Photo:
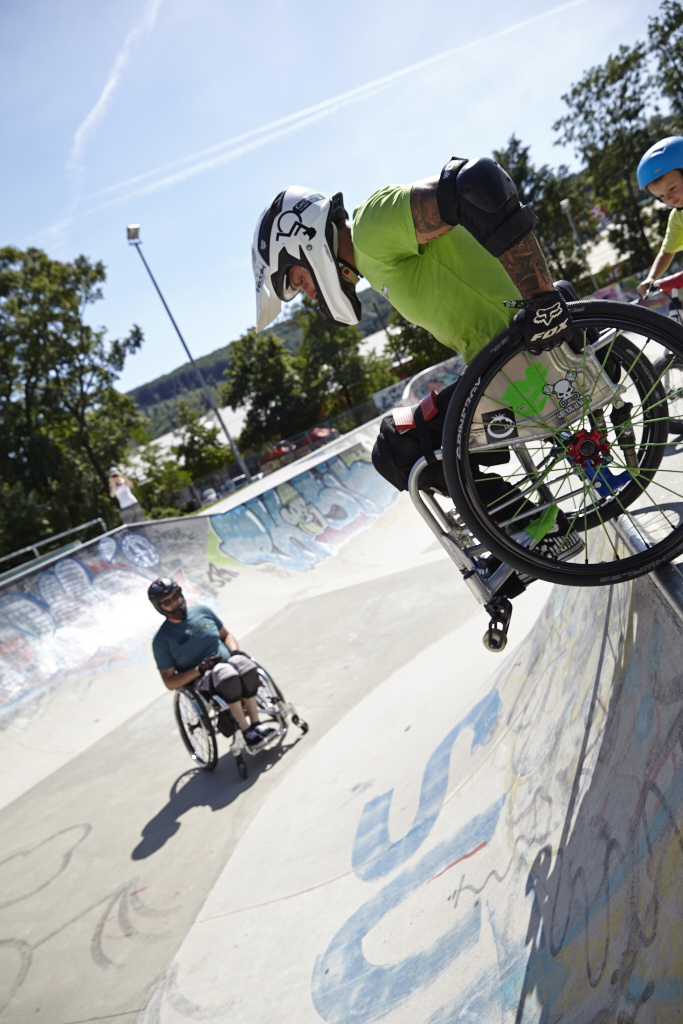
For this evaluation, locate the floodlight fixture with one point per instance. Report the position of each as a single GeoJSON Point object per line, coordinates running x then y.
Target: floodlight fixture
{"type": "Point", "coordinates": [133, 235]}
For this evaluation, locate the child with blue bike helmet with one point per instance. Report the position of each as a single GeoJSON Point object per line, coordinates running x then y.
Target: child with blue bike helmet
{"type": "Point", "coordinates": [660, 171]}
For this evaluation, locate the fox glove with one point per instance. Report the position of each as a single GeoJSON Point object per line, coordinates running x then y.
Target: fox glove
{"type": "Point", "coordinates": [543, 322]}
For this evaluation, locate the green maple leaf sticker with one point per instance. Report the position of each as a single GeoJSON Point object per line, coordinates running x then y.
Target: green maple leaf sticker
{"type": "Point", "coordinates": [525, 397]}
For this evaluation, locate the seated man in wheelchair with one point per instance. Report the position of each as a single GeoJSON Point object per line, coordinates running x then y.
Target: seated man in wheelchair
{"type": "Point", "coordinates": [454, 253]}
{"type": "Point", "coordinates": [193, 646]}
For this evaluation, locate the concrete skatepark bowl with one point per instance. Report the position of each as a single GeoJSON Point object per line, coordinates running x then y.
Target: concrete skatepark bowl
{"type": "Point", "coordinates": [459, 837]}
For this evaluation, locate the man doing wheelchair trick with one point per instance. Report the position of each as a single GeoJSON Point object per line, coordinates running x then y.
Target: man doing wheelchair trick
{"type": "Point", "coordinates": [559, 395]}
{"type": "Point", "coordinates": [194, 647]}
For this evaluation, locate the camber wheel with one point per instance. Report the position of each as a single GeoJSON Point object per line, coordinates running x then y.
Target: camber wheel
{"type": "Point", "coordinates": [196, 730]}
{"type": "Point", "coordinates": [671, 370]}
{"type": "Point", "coordinates": [271, 704]}
{"type": "Point", "coordinates": [578, 444]}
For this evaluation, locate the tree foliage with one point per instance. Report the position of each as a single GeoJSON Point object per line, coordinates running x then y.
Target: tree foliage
{"type": "Point", "coordinates": [330, 364]}
{"type": "Point", "coordinates": [263, 377]}
{"type": "Point", "coordinates": [665, 34]}
{"type": "Point", "coordinates": [414, 346]}
{"type": "Point", "coordinates": [62, 422]}
{"type": "Point", "coordinates": [611, 121]}
{"type": "Point", "coordinates": [199, 448]}
{"type": "Point", "coordinates": [544, 189]}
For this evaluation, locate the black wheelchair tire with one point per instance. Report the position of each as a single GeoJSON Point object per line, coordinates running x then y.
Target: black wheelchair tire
{"type": "Point", "coordinates": [666, 362]}
{"type": "Point", "coordinates": [209, 759]}
{"type": "Point", "coordinates": [457, 466]}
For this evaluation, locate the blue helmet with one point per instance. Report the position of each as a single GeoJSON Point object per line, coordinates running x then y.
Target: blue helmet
{"type": "Point", "coordinates": [661, 158]}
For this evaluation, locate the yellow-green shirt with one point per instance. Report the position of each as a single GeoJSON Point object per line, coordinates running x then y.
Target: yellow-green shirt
{"type": "Point", "coordinates": [673, 240]}
{"type": "Point", "coordinates": [452, 286]}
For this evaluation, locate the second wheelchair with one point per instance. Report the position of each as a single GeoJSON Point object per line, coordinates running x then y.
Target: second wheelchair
{"type": "Point", "coordinates": [200, 717]}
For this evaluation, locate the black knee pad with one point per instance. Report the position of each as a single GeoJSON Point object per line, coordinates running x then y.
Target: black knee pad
{"type": "Point", "coordinates": [482, 197]}
{"type": "Point", "coordinates": [395, 452]}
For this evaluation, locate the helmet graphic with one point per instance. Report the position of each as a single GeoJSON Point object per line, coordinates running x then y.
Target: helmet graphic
{"type": "Point", "coordinates": [162, 589]}
{"type": "Point", "coordinates": [298, 230]}
{"type": "Point", "coordinates": [661, 158]}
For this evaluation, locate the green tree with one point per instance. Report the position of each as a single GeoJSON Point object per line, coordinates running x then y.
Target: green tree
{"type": "Point", "coordinates": [159, 481]}
{"type": "Point", "coordinates": [414, 346]}
{"type": "Point", "coordinates": [544, 189]}
{"type": "Point", "coordinates": [665, 34]}
{"type": "Point", "coordinates": [263, 377]}
{"type": "Point", "coordinates": [610, 125]}
{"type": "Point", "coordinates": [330, 363]}
{"type": "Point", "coordinates": [62, 422]}
{"type": "Point", "coordinates": [199, 448]}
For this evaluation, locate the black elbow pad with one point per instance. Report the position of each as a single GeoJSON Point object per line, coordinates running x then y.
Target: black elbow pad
{"type": "Point", "coordinates": [481, 196]}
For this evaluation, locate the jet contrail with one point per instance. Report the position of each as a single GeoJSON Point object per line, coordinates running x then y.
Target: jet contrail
{"type": "Point", "coordinates": [231, 149]}
{"type": "Point", "coordinates": [95, 115]}
{"type": "Point", "coordinates": [88, 125]}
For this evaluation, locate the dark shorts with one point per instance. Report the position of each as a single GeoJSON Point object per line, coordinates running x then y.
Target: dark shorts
{"type": "Point", "coordinates": [233, 680]}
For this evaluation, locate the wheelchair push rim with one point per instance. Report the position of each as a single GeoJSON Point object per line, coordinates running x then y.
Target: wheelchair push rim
{"type": "Point", "coordinates": [196, 729]}
{"type": "Point", "coordinates": [272, 707]}
{"type": "Point", "coordinates": [578, 442]}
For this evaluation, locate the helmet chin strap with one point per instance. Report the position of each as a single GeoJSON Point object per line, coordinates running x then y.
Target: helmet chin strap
{"type": "Point", "coordinates": [348, 272]}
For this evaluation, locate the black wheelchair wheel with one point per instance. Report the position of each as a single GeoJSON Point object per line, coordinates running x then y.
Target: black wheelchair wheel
{"type": "Point", "coordinates": [196, 729]}
{"type": "Point", "coordinates": [670, 367]}
{"type": "Point", "coordinates": [578, 441]}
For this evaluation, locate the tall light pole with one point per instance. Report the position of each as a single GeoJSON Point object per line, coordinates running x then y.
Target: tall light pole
{"type": "Point", "coordinates": [133, 233]}
{"type": "Point", "coordinates": [565, 206]}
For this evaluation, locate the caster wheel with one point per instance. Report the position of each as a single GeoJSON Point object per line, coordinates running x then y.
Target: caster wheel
{"type": "Point", "coordinates": [242, 769]}
{"type": "Point", "coordinates": [496, 641]}
{"type": "Point", "coordinates": [303, 725]}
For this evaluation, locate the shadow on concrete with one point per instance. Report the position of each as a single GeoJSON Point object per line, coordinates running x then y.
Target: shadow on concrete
{"type": "Point", "coordinates": [199, 788]}
{"type": "Point", "coordinates": [604, 934]}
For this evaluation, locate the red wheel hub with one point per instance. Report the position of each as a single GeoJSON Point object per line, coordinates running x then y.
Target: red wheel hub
{"type": "Point", "coordinates": [588, 448]}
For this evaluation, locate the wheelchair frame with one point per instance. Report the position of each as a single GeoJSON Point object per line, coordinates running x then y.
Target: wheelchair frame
{"type": "Point", "coordinates": [212, 715]}
{"type": "Point", "coordinates": [463, 549]}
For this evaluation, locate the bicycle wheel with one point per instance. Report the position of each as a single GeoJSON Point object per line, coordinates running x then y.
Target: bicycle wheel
{"type": "Point", "coordinates": [196, 730]}
{"type": "Point", "coordinates": [671, 370]}
{"type": "Point", "coordinates": [578, 440]}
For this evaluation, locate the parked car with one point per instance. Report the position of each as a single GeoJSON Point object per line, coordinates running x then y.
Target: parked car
{"type": "Point", "coordinates": [209, 496]}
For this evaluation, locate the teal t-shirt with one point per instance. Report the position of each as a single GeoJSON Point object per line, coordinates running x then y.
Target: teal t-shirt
{"type": "Point", "coordinates": [182, 645]}
{"type": "Point", "coordinates": [452, 286]}
{"type": "Point", "coordinates": [673, 239]}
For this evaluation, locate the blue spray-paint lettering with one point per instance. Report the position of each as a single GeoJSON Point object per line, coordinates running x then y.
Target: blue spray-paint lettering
{"type": "Point", "coordinates": [374, 855]}
{"type": "Point", "coordinates": [348, 989]}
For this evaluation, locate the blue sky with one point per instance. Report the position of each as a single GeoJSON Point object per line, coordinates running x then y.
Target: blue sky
{"type": "Point", "coordinates": [188, 116]}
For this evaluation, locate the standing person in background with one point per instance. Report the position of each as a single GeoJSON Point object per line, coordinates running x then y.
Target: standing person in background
{"type": "Point", "coordinates": [120, 488]}
{"type": "Point", "coordinates": [660, 171]}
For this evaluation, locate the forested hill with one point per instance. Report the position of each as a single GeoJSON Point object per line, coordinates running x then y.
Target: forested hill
{"type": "Point", "coordinates": [158, 399]}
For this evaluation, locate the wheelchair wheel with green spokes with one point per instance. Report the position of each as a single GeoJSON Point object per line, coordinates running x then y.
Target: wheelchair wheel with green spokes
{"type": "Point", "coordinates": [671, 370]}
{"type": "Point", "coordinates": [559, 463]}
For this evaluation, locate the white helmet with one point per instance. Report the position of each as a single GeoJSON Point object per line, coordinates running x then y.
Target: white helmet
{"type": "Point", "coordinates": [298, 230]}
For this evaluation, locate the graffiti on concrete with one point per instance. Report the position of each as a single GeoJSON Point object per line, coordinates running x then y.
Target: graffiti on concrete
{"type": "Point", "coordinates": [565, 885]}
{"type": "Point", "coordinates": [305, 520]}
{"type": "Point", "coordinates": [82, 613]}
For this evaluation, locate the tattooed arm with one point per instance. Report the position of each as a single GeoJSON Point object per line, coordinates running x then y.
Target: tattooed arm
{"type": "Point", "coordinates": [524, 263]}
{"type": "Point", "coordinates": [426, 216]}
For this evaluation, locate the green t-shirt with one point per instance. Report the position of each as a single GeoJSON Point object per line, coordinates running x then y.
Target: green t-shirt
{"type": "Point", "coordinates": [452, 286]}
{"type": "Point", "coordinates": [673, 240]}
{"type": "Point", "coordinates": [182, 645]}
